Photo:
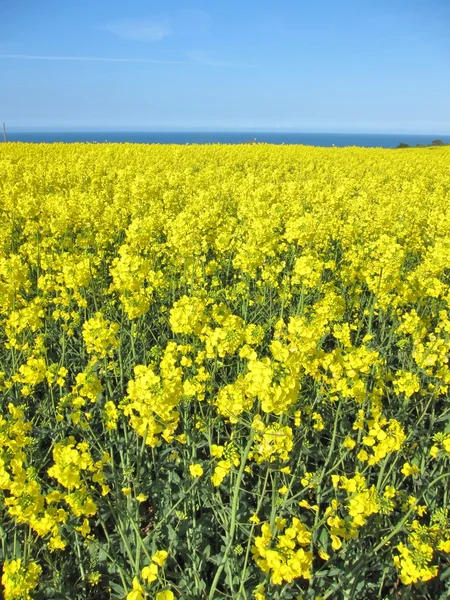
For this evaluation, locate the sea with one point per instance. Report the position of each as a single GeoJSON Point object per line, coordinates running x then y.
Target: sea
{"type": "Point", "coordinates": [369, 140]}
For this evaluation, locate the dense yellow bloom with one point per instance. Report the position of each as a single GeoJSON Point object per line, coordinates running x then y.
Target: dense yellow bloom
{"type": "Point", "coordinates": [152, 399]}
{"type": "Point", "coordinates": [233, 399]}
{"type": "Point", "coordinates": [408, 383]}
{"type": "Point", "coordinates": [287, 560]}
{"type": "Point", "coordinates": [188, 315]}
{"type": "Point", "coordinates": [19, 580]}
{"type": "Point", "coordinates": [279, 314]}
{"type": "Point", "coordinates": [271, 442]}
{"type": "Point", "coordinates": [100, 336]}
{"type": "Point", "coordinates": [70, 460]}
{"type": "Point", "coordinates": [410, 566]}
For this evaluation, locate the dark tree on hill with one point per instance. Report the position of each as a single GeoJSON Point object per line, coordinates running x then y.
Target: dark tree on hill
{"type": "Point", "coordinates": [437, 143]}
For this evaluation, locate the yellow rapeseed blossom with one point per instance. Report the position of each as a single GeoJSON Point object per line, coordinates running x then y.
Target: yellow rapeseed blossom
{"type": "Point", "coordinates": [167, 595]}
{"type": "Point", "coordinates": [279, 314]}
{"type": "Point", "coordinates": [409, 469]}
{"type": "Point", "coordinates": [137, 592]}
{"type": "Point", "coordinates": [195, 470]}
{"type": "Point", "coordinates": [19, 579]}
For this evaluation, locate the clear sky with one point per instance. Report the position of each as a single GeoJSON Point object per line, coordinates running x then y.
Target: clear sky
{"type": "Point", "coordinates": [318, 65]}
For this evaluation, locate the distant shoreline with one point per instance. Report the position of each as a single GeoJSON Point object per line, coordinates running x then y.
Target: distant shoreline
{"type": "Point", "coordinates": [370, 140]}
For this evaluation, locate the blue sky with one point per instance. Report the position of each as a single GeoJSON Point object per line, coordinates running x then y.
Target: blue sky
{"type": "Point", "coordinates": [321, 66]}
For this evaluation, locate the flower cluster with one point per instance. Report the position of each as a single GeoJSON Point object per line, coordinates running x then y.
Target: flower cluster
{"type": "Point", "coordinates": [287, 559]}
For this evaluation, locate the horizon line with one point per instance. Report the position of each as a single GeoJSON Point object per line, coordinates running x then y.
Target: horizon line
{"type": "Point", "coordinates": [106, 129]}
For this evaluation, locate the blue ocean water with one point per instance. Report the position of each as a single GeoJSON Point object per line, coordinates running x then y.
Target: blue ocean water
{"type": "Point", "coordinates": [371, 140]}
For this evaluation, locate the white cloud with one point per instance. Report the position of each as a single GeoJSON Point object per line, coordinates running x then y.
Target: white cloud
{"type": "Point", "coordinates": [93, 59]}
{"type": "Point", "coordinates": [143, 30]}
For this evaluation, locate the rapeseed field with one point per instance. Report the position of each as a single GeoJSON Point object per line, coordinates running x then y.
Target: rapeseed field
{"type": "Point", "coordinates": [224, 372]}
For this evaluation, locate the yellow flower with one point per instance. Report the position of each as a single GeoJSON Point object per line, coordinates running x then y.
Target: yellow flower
{"type": "Point", "coordinates": [217, 451]}
{"type": "Point", "coordinates": [335, 480]}
{"type": "Point", "coordinates": [99, 335]}
{"type": "Point", "coordinates": [85, 528]}
{"type": "Point", "coordinates": [167, 595]}
{"type": "Point", "coordinates": [406, 382]}
{"type": "Point", "coordinates": [349, 443]}
{"type": "Point", "coordinates": [19, 580]}
{"type": "Point", "coordinates": [409, 470]}
{"type": "Point", "coordinates": [195, 470]}
{"type": "Point", "coordinates": [137, 593]}
{"type": "Point", "coordinates": [389, 492]}
{"type": "Point", "coordinates": [444, 546]}
{"type": "Point", "coordinates": [160, 557]}
{"type": "Point", "coordinates": [362, 456]}
{"type": "Point", "coordinates": [336, 542]}
{"type": "Point", "coordinates": [434, 451]}
{"type": "Point", "coordinates": [368, 440]}
{"type": "Point", "coordinates": [259, 593]}
{"type": "Point", "coordinates": [220, 472]}
{"type": "Point", "coordinates": [150, 573]}
{"type": "Point", "coordinates": [56, 543]}
{"type": "Point", "coordinates": [318, 421]}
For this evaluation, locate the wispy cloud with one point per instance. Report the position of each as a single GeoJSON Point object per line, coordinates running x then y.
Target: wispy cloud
{"type": "Point", "coordinates": [142, 30]}
{"type": "Point", "coordinates": [195, 58]}
{"type": "Point", "coordinates": [94, 59]}
{"type": "Point", "coordinates": [203, 59]}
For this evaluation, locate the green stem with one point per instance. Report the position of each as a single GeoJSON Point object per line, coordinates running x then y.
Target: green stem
{"type": "Point", "coordinates": [234, 508]}
{"type": "Point", "coordinates": [250, 537]}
